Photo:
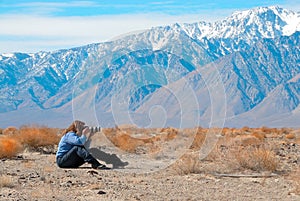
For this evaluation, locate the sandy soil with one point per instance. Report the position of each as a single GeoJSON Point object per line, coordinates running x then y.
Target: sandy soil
{"type": "Point", "coordinates": [34, 176]}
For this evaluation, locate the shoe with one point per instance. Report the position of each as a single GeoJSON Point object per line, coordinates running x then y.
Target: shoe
{"type": "Point", "coordinates": [101, 167]}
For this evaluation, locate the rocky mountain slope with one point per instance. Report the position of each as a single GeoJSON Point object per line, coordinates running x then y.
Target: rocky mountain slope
{"type": "Point", "coordinates": [246, 65]}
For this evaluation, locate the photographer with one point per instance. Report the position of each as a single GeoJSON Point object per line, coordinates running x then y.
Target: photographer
{"type": "Point", "coordinates": [71, 152]}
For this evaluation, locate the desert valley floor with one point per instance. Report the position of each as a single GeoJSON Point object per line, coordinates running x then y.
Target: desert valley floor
{"type": "Point", "coordinates": [245, 164]}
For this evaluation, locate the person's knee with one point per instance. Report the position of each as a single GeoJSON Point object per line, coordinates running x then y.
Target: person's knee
{"type": "Point", "coordinates": [81, 151]}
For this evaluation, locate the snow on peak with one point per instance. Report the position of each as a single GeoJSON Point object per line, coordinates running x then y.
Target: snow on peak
{"type": "Point", "coordinates": [8, 54]}
{"type": "Point", "coordinates": [261, 22]}
{"type": "Point", "coordinates": [294, 79]}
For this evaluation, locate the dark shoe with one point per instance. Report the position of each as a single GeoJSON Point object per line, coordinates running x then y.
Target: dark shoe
{"type": "Point", "coordinates": [101, 167]}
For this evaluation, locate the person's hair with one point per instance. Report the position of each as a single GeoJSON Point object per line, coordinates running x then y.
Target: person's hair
{"type": "Point", "coordinates": [72, 127]}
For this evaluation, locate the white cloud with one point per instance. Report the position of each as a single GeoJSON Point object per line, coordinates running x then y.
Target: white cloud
{"type": "Point", "coordinates": [56, 4]}
{"type": "Point", "coordinates": [34, 33]}
{"type": "Point", "coordinates": [292, 5]}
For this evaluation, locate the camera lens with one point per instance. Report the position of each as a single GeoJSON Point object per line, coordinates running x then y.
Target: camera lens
{"type": "Point", "coordinates": [95, 129]}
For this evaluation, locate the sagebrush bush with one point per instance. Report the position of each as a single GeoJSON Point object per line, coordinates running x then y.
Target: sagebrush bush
{"type": "Point", "coordinates": [15, 140]}
{"type": "Point", "coordinates": [290, 136]}
{"type": "Point", "coordinates": [9, 147]}
{"type": "Point", "coordinates": [171, 133]}
{"type": "Point", "coordinates": [258, 135]}
{"type": "Point", "coordinates": [189, 163]}
{"type": "Point", "coordinates": [11, 130]}
{"type": "Point", "coordinates": [257, 158]}
{"type": "Point", "coordinates": [198, 140]}
{"type": "Point", "coordinates": [38, 136]}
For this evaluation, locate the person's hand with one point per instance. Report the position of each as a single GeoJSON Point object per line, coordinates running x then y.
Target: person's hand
{"type": "Point", "coordinates": [92, 133]}
{"type": "Point", "coordinates": [79, 126]}
{"type": "Point", "coordinates": [87, 132]}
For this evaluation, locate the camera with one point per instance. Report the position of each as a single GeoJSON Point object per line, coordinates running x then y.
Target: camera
{"type": "Point", "coordinates": [95, 129]}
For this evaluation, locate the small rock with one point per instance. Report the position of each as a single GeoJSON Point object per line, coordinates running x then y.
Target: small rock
{"type": "Point", "coordinates": [92, 172]}
{"type": "Point", "coordinates": [101, 192]}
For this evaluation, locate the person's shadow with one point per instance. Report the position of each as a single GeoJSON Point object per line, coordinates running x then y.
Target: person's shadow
{"type": "Point", "coordinates": [108, 158]}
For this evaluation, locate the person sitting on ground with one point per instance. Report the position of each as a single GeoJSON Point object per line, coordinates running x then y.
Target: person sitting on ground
{"type": "Point", "coordinates": [71, 152]}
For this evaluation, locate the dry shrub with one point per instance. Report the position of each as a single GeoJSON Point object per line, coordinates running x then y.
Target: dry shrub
{"type": "Point", "coordinates": [227, 131]}
{"type": "Point", "coordinates": [198, 140]}
{"type": "Point", "coordinates": [256, 158]}
{"type": "Point", "coordinates": [236, 132]}
{"type": "Point", "coordinates": [290, 136]}
{"type": "Point", "coordinates": [284, 130]}
{"type": "Point", "coordinates": [258, 135]}
{"type": "Point", "coordinates": [109, 131]}
{"type": "Point", "coordinates": [38, 136]}
{"type": "Point", "coordinates": [247, 140]}
{"type": "Point", "coordinates": [10, 131]}
{"type": "Point", "coordinates": [267, 130]}
{"type": "Point", "coordinates": [123, 140]}
{"type": "Point", "coordinates": [6, 181]}
{"type": "Point", "coordinates": [1, 131]}
{"type": "Point", "coordinates": [9, 147]}
{"type": "Point", "coordinates": [126, 142]}
{"type": "Point", "coordinates": [245, 129]}
{"type": "Point", "coordinates": [189, 163]}
{"type": "Point", "coordinates": [14, 140]}
{"type": "Point", "coordinates": [171, 133]}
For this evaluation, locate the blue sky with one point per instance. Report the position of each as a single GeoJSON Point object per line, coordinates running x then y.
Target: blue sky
{"type": "Point", "coordinates": [32, 26]}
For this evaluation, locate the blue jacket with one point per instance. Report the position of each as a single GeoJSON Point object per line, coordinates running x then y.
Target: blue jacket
{"type": "Point", "coordinates": [68, 141]}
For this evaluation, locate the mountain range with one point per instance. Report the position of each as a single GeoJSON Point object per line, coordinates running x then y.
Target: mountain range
{"type": "Point", "coordinates": [240, 71]}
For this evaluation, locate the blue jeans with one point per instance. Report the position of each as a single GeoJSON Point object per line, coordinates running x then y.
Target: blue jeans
{"type": "Point", "coordinates": [76, 157]}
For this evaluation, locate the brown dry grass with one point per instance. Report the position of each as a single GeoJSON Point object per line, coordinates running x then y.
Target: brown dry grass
{"type": "Point", "coordinates": [259, 158]}
{"type": "Point", "coordinates": [245, 129]}
{"type": "Point", "coordinates": [247, 140]}
{"type": "Point", "coordinates": [125, 137]}
{"type": "Point", "coordinates": [238, 151]}
{"type": "Point", "coordinates": [244, 148]}
{"type": "Point", "coordinates": [189, 163]}
{"type": "Point", "coordinates": [258, 135]}
{"type": "Point", "coordinates": [122, 139]}
{"type": "Point", "coordinates": [15, 140]}
{"type": "Point", "coordinates": [38, 136]}
{"type": "Point", "coordinates": [9, 147]}
{"type": "Point", "coordinates": [290, 136]}
{"type": "Point", "coordinates": [10, 131]}
{"type": "Point", "coordinates": [198, 139]}
{"type": "Point", "coordinates": [170, 132]}
{"type": "Point", "coordinates": [126, 142]}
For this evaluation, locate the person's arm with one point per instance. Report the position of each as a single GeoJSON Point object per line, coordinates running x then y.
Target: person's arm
{"type": "Point", "coordinates": [74, 139]}
{"type": "Point", "coordinates": [79, 126]}
{"type": "Point", "coordinates": [87, 133]}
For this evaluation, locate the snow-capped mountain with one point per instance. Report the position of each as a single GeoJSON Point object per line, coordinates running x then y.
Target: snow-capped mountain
{"type": "Point", "coordinates": [249, 25]}
{"type": "Point", "coordinates": [262, 82]}
{"type": "Point", "coordinates": [243, 67]}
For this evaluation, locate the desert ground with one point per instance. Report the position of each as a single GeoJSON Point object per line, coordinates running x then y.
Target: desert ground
{"type": "Point", "coordinates": [155, 164]}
